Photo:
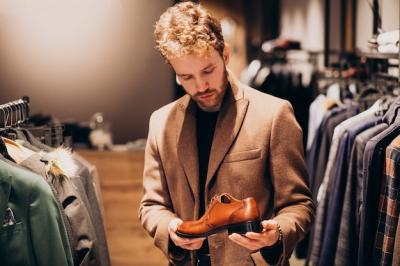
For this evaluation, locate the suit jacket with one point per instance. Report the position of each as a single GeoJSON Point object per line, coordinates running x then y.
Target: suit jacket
{"type": "Point", "coordinates": [388, 215]}
{"type": "Point", "coordinates": [346, 253]}
{"type": "Point", "coordinates": [373, 166]}
{"type": "Point", "coordinates": [38, 236]}
{"type": "Point", "coordinates": [256, 151]}
{"type": "Point", "coordinates": [336, 199]}
{"type": "Point", "coordinates": [396, 252]}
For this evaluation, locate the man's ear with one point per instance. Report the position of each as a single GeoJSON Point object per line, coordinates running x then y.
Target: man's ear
{"type": "Point", "coordinates": [226, 53]}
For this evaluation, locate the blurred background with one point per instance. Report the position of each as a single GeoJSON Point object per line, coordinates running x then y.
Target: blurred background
{"type": "Point", "coordinates": [76, 58]}
{"type": "Point", "coordinates": [92, 78]}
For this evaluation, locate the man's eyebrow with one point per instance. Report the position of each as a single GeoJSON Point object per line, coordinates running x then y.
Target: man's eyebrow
{"type": "Point", "coordinates": [208, 66]}
{"type": "Point", "coordinates": [180, 75]}
{"type": "Point", "coordinates": [204, 68]}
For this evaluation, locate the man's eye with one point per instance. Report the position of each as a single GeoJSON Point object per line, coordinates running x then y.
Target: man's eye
{"type": "Point", "coordinates": [209, 71]}
{"type": "Point", "coordinates": [186, 77]}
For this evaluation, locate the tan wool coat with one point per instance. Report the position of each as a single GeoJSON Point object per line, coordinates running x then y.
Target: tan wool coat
{"type": "Point", "coordinates": [256, 151]}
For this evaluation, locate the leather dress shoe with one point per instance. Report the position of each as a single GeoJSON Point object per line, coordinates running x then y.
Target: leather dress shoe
{"type": "Point", "coordinates": [224, 212]}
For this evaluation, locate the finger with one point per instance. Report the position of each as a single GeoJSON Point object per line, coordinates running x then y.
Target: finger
{"type": "Point", "coordinates": [269, 224]}
{"type": "Point", "coordinates": [196, 240]}
{"type": "Point", "coordinates": [188, 247]}
{"type": "Point", "coordinates": [185, 241]}
{"type": "Point", "coordinates": [263, 235]}
{"type": "Point", "coordinates": [179, 240]}
{"type": "Point", "coordinates": [194, 246]}
{"type": "Point", "coordinates": [255, 236]}
{"type": "Point", "coordinates": [174, 223]}
{"type": "Point", "coordinates": [243, 241]}
{"type": "Point", "coordinates": [264, 239]}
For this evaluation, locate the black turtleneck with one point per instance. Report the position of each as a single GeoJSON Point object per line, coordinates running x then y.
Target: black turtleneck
{"type": "Point", "coordinates": [206, 122]}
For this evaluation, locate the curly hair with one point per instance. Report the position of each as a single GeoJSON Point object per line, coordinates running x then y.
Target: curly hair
{"type": "Point", "coordinates": [187, 28]}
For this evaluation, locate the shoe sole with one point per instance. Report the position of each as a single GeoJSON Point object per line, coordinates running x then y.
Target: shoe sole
{"type": "Point", "coordinates": [240, 228]}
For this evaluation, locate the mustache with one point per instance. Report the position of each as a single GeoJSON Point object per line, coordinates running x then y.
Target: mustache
{"type": "Point", "coordinates": [204, 93]}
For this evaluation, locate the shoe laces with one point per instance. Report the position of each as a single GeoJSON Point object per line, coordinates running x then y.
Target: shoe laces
{"type": "Point", "coordinates": [219, 198]}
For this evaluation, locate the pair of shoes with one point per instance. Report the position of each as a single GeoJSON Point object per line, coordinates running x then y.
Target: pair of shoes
{"type": "Point", "coordinates": [224, 212]}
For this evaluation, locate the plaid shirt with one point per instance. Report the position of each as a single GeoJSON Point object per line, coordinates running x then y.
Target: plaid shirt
{"type": "Point", "coordinates": [389, 205]}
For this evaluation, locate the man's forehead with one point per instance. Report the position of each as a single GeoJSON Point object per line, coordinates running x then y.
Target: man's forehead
{"type": "Point", "coordinates": [188, 63]}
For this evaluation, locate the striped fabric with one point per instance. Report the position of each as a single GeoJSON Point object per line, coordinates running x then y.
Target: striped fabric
{"type": "Point", "coordinates": [389, 206]}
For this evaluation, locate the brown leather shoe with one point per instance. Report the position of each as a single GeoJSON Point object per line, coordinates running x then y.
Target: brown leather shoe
{"type": "Point", "coordinates": [224, 212]}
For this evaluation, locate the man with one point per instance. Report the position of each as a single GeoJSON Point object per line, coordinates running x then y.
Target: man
{"type": "Point", "coordinates": [221, 137]}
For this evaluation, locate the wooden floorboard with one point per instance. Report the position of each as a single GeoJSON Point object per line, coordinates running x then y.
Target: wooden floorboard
{"type": "Point", "coordinates": [121, 185]}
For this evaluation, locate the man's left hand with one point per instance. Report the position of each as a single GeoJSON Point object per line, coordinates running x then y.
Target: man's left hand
{"type": "Point", "coordinates": [255, 241]}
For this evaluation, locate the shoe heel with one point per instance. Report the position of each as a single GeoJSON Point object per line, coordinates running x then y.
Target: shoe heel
{"type": "Point", "coordinates": [243, 228]}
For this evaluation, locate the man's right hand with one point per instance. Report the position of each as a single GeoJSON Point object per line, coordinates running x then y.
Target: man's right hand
{"type": "Point", "coordinates": [186, 243]}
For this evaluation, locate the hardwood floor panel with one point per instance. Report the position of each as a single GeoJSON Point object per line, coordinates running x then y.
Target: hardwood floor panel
{"type": "Point", "coordinates": [121, 184]}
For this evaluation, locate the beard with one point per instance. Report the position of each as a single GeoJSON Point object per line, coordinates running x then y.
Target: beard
{"type": "Point", "coordinates": [218, 94]}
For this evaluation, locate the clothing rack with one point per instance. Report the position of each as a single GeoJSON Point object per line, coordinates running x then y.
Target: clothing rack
{"type": "Point", "coordinates": [378, 63]}
{"type": "Point", "coordinates": [284, 56]}
{"type": "Point", "coordinates": [15, 112]}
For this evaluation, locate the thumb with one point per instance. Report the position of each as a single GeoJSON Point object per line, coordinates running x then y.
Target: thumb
{"type": "Point", "coordinates": [270, 224]}
{"type": "Point", "coordinates": [174, 223]}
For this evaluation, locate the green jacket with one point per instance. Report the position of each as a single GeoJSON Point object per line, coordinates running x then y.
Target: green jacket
{"type": "Point", "coordinates": [38, 236]}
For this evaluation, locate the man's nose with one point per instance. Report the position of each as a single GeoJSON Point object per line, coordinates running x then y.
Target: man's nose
{"type": "Point", "coordinates": [201, 85]}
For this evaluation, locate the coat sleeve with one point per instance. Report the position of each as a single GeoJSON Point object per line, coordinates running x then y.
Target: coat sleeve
{"type": "Point", "coordinates": [293, 206]}
{"type": "Point", "coordinates": [156, 211]}
{"type": "Point", "coordinates": [48, 234]}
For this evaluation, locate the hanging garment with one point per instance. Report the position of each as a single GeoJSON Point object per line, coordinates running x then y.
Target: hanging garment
{"type": "Point", "coordinates": [318, 155]}
{"type": "Point", "coordinates": [83, 182]}
{"type": "Point", "coordinates": [32, 231]}
{"type": "Point", "coordinates": [316, 114]}
{"type": "Point", "coordinates": [373, 167]}
{"type": "Point", "coordinates": [346, 253]}
{"type": "Point", "coordinates": [396, 251]}
{"type": "Point", "coordinates": [57, 167]}
{"type": "Point", "coordinates": [338, 177]}
{"type": "Point", "coordinates": [388, 37]}
{"type": "Point", "coordinates": [389, 205]}
{"type": "Point", "coordinates": [324, 190]}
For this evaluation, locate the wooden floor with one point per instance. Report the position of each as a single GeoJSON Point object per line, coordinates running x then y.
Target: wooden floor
{"type": "Point", "coordinates": [121, 185]}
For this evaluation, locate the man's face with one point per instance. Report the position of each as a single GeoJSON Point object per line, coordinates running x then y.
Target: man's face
{"type": "Point", "coordinates": [204, 78]}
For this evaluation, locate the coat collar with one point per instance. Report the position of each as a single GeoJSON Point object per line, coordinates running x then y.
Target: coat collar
{"type": "Point", "coordinates": [392, 114]}
{"type": "Point", "coordinates": [229, 122]}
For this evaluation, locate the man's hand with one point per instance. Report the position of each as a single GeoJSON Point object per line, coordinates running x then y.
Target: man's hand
{"type": "Point", "coordinates": [254, 241]}
{"type": "Point", "coordinates": [186, 243]}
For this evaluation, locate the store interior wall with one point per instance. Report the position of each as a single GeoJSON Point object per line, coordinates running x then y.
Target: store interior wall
{"type": "Point", "coordinates": [390, 14]}
{"type": "Point", "coordinates": [231, 10]}
{"type": "Point", "coordinates": [302, 20]}
{"type": "Point", "coordinates": [74, 58]}
{"type": "Point", "coordinates": [364, 20]}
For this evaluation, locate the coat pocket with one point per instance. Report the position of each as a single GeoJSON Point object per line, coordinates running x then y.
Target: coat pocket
{"type": "Point", "coordinates": [14, 245]}
{"type": "Point", "coordinates": [242, 156]}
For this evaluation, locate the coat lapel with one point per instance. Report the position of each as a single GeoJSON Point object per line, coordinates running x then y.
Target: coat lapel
{"type": "Point", "coordinates": [187, 142]}
{"type": "Point", "coordinates": [228, 125]}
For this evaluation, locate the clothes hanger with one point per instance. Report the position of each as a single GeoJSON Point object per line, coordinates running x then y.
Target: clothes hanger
{"type": "Point", "coordinates": [8, 130]}
{"type": "Point", "coordinates": [3, 147]}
